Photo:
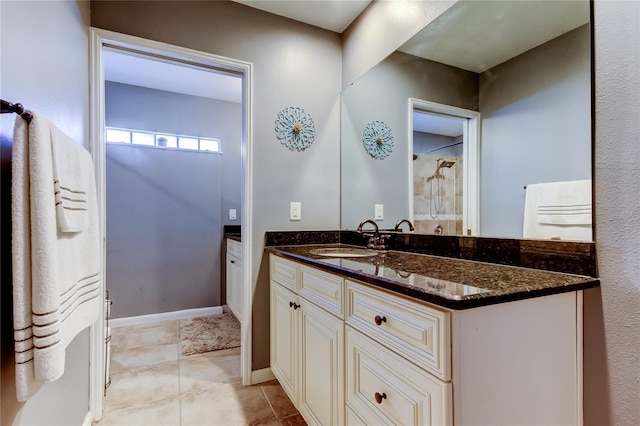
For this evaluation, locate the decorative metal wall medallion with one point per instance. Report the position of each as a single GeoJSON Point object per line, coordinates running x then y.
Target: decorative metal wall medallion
{"type": "Point", "coordinates": [377, 139]}
{"type": "Point", "coordinates": [295, 128]}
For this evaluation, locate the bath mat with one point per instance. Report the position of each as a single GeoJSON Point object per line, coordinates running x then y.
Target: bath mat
{"type": "Point", "coordinates": [210, 333]}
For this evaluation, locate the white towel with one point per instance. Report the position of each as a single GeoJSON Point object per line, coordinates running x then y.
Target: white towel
{"type": "Point", "coordinates": [558, 210]}
{"type": "Point", "coordinates": [56, 274]}
{"type": "Point", "coordinates": [71, 176]}
{"type": "Point", "coordinates": [565, 203]}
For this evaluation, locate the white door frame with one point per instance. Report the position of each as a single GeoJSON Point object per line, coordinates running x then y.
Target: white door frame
{"type": "Point", "coordinates": [100, 38]}
{"type": "Point", "coordinates": [470, 156]}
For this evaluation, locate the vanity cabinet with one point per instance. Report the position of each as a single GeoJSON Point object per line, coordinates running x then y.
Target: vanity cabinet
{"type": "Point", "coordinates": [307, 339]}
{"type": "Point", "coordinates": [234, 277]}
{"type": "Point", "coordinates": [348, 352]}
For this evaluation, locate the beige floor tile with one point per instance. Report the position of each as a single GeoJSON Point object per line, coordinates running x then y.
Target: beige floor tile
{"type": "Point", "coordinates": [280, 402]}
{"type": "Point", "coordinates": [143, 357]}
{"type": "Point", "coordinates": [136, 387]}
{"type": "Point", "coordinates": [203, 372]}
{"type": "Point", "coordinates": [159, 413]}
{"type": "Point", "coordinates": [137, 336]}
{"type": "Point", "coordinates": [227, 404]}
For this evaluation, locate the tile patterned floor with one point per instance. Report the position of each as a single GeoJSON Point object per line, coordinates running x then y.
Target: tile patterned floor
{"type": "Point", "coordinates": [152, 384]}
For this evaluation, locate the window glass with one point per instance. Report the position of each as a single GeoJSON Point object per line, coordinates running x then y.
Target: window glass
{"type": "Point", "coordinates": [187, 143]}
{"type": "Point", "coordinates": [169, 141]}
{"type": "Point", "coordinates": [209, 145]}
{"type": "Point", "coordinates": [142, 138]}
{"type": "Point", "coordinates": [118, 136]}
{"type": "Point", "coordinates": [162, 140]}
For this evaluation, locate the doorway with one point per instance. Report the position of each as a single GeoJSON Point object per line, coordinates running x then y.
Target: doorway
{"type": "Point", "coordinates": [159, 141]}
{"type": "Point", "coordinates": [443, 168]}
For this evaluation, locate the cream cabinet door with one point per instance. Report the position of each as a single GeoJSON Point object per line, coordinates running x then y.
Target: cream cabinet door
{"type": "Point", "coordinates": [283, 338]}
{"type": "Point", "coordinates": [234, 285]}
{"type": "Point", "coordinates": [384, 388]}
{"type": "Point", "coordinates": [321, 368]}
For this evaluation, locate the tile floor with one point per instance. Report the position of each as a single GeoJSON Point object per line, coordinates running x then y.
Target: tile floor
{"type": "Point", "coordinates": [152, 384]}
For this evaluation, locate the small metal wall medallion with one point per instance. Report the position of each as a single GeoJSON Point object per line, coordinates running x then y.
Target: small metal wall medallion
{"type": "Point", "coordinates": [377, 139]}
{"type": "Point", "coordinates": [295, 128]}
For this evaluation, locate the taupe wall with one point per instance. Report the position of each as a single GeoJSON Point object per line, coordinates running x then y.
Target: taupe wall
{"type": "Point", "coordinates": [290, 59]}
{"type": "Point", "coordinates": [612, 313]}
{"type": "Point", "coordinates": [43, 65]}
{"type": "Point", "coordinates": [536, 127]}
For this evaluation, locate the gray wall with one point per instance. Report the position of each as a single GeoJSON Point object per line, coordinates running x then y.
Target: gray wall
{"type": "Point", "coordinates": [44, 65]}
{"type": "Point", "coordinates": [163, 230]}
{"type": "Point", "coordinates": [536, 127]}
{"type": "Point", "coordinates": [289, 59]}
{"type": "Point", "coordinates": [156, 110]}
{"type": "Point", "coordinates": [612, 313]}
{"type": "Point", "coordinates": [382, 94]}
{"type": "Point", "coordinates": [165, 208]}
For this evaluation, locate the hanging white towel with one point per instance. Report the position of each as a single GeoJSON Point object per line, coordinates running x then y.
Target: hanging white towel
{"type": "Point", "coordinates": [56, 274]}
{"type": "Point", "coordinates": [558, 210]}
{"type": "Point", "coordinates": [565, 203]}
{"type": "Point", "coordinates": [71, 176]}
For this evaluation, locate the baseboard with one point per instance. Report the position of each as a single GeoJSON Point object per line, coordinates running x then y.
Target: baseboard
{"type": "Point", "coordinates": [261, 376]}
{"type": "Point", "coordinates": [88, 419]}
{"type": "Point", "coordinates": [165, 316]}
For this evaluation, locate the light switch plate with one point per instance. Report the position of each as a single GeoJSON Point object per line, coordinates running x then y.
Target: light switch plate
{"type": "Point", "coordinates": [378, 211]}
{"type": "Point", "coordinates": [232, 214]}
{"type": "Point", "coordinates": [295, 210]}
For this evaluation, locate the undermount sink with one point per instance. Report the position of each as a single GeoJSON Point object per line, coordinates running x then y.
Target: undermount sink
{"type": "Point", "coordinates": [343, 252]}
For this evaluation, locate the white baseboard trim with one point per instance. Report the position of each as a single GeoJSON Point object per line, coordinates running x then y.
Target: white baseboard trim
{"type": "Point", "coordinates": [165, 316]}
{"type": "Point", "coordinates": [88, 419]}
{"type": "Point", "coordinates": [261, 376]}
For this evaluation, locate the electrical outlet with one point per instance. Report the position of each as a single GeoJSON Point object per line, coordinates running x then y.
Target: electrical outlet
{"type": "Point", "coordinates": [295, 211]}
{"type": "Point", "coordinates": [232, 214]}
{"type": "Point", "coordinates": [378, 211]}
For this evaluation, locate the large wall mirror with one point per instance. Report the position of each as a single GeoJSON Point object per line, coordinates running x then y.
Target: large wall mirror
{"type": "Point", "coordinates": [489, 107]}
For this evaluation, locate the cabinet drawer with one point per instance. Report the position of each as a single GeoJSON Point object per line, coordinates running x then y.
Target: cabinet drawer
{"type": "Point", "coordinates": [284, 271]}
{"type": "Point", "coordinates": [234, 248]}
{"type": "Point", "coordinates": [384, 388]}
{"type": "Point", "coordinates": [325, 290]}
{"type": "Point", "coordinates": [415, 330]}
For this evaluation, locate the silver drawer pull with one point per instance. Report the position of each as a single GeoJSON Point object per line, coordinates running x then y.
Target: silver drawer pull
{"type": "Point", "coordinates": [379, 320]}
{"type": "Point", "coordinates": [379, 397]}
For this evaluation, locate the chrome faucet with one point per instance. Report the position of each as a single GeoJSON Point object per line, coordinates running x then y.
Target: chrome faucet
{"type": "Point", "coordinates": [376, 241]}
{"type": "Point", "coordinates": [400, 222]}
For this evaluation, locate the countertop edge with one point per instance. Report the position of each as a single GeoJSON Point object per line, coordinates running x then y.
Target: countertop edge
{"type": "Point", "coordinates": [419, 294]}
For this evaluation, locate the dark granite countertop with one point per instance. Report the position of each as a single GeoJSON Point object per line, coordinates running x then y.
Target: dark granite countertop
{"type": "Point", "coordinates": [448, 282]}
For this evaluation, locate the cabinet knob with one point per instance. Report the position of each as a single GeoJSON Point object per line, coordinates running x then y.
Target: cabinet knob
{"type": "Point", "coordinates": [233, 261]}
{"type": "Point", "coordinates": [379, 320]}
{"type": "Point", "coordinates": [293, 305]}
{"type": "Point", "coordinates": [379, 397]}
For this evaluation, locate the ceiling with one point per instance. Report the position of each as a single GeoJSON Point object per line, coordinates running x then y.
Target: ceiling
{"type": "Point", "coordinates": [437, 124]}
{"type": "Point", "coordinates": [332, 15]}
{"type": "Point", "coordinates": [124, 67]}
{"type": "Point", "coordinates": [458, 37]}
{"type": "Point", "coordinates": [478, 35]}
